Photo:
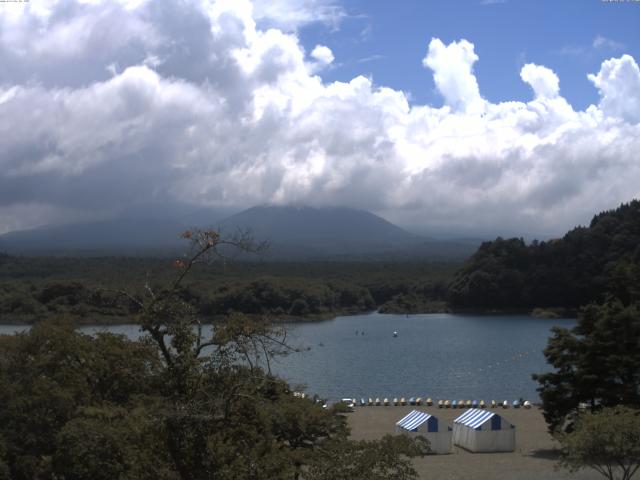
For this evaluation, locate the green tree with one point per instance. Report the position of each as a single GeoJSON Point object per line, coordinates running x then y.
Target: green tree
{"type": "Point", "coordinates": [597, 362]}
{"type": "Point", "coordinates": [607, 441]}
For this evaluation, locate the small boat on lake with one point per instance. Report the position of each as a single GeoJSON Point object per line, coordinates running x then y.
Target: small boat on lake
{"type": "Point", "coordinates": [395, 333]}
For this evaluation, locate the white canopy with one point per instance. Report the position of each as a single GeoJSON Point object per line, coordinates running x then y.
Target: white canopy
{"type": "Point", "coordinates": [428, 426]}
{"type": "Point", "coordinates": [479, 430]}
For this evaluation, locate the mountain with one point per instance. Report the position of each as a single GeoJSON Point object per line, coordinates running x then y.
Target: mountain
{"type": "Point", "coordinates": [124, 235]}
{"type": "Point", "coordinates": [293, 233]}
{"type": "Point", "coordinates": [338, 232]}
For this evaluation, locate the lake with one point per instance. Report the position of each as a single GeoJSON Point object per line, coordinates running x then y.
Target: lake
{"type": "Point", "coordinates": [434, 355]}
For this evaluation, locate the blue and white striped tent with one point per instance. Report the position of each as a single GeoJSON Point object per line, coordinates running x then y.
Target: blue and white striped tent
{"type": "Point", "coordinates": [479, 430]}
{"type": "Point", "coordinates": [426, 425]}
{"type": "Point", "coordinates": [415, 419]}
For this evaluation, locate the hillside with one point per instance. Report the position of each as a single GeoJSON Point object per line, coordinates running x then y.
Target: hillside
{"type": "Point", "coordinates": [307, 232]}
{"type": "Point", "coordinates": [294, 233]}
{"type": "Point", "coordinates": [585, 265]}
{"type": "Point", "coordinates": [121, 236]}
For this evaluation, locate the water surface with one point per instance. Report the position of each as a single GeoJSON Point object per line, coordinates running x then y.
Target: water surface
{"type": "Point", "coordinates": [436, 355]}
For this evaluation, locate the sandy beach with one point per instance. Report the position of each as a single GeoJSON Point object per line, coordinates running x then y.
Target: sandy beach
{"type": "Point", "coordinates": [534, 457]}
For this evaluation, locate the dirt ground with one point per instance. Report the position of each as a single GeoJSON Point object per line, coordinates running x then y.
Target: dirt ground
{"type": "Point", "coordinates": [534, 457]}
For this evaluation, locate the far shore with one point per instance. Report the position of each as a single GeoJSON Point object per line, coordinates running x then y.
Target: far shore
{"type": "Point", "coordinates": [535, 456]}
{"type": "Point", "coordinates": [289, 319]}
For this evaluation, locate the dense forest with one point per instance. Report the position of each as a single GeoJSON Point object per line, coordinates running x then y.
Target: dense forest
{"type": "Point", "coordinates": [35, 288]}
{"type": "Point", "coordinates": [586, 265]}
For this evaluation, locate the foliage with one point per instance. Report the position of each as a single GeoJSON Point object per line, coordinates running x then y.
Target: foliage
{"type": "Point", "coordinates": [597, 362]}
{"type": "Point", "coordinates": [386, 459]}
{"type": "Point", "coordinates": [35, 288]}
{"type": "Point", "coordinates": [183, 403]}
{"type": "Point", "coordinates": [607, 441]}
{"type": "Point", "coordinates": [582, 267]}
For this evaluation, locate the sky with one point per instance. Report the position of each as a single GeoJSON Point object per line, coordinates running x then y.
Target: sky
{"type": "Point", "coordinates": [478, 117]}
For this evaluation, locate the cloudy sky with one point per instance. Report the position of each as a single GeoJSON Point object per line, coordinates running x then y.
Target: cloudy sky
{"type": "Point", "coordinates": [479, 116]}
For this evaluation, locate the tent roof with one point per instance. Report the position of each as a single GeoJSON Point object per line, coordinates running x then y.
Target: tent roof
{"type": "Point", "coordinates": [474, 418]}
{"type": "Point", "coordinates": [413, 420]}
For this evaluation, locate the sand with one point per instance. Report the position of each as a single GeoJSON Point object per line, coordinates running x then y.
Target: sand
{"type": "Point", "coordinates": [534, 457]}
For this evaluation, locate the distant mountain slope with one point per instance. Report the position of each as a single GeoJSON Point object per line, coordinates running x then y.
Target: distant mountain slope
{"type": "Point", "coordinates": [308, 232]}
{"type": "Point", "coordinates": [318, 226]}
{"type": "Point", "coordinates": [585, 265]}
{"type": "Point", "coordinates": [294, 233]}
{"type": "Point", "coordinates": [109, 236]}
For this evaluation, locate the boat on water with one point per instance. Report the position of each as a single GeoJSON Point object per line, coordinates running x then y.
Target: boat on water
{"type": "Point", "coordinates": [395, 333]}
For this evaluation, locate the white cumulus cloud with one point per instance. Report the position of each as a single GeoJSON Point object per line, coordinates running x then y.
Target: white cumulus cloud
{"type": "Point", "coordinates": [452, 67]}
{"type": "Point", "coordinates": [545, 82]}
{"type": "Point", "coordinates": [323, 54]}
{"type": "Point", "coordinates": [203, 103]}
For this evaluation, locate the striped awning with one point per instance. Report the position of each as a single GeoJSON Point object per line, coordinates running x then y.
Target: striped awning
{"type": "Point", "coordinates": [474, 418]}
{"type": "Point", "coordinates": [413, 420]}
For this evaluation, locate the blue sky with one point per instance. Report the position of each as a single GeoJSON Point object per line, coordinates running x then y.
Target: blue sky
{"type": "Point", "coordinates": [108, 106]}
{"type": "Point", "coordinates": [387, 40]}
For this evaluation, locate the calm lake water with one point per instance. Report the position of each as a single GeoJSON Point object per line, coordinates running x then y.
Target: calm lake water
{"type": "Point", "coordinates": [434, 355]}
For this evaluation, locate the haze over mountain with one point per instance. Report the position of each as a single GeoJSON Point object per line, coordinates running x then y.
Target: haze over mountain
{"type": "Point", "coordinates": [293, 232]}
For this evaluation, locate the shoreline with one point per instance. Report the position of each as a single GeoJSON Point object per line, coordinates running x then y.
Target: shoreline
{"type": "Point", "coordinates": [95, 322]}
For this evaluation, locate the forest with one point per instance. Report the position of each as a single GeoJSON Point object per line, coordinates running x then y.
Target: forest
{"type": "Point", "coordinates": [36, 288]}
{"type": "Point", "coordinates": [587, 264]}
